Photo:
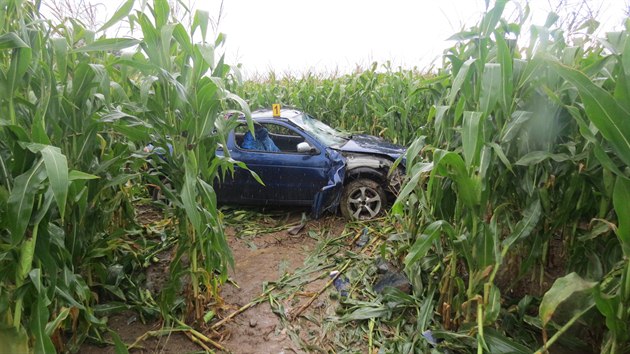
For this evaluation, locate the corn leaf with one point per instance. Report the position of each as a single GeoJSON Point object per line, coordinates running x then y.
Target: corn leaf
{"type": "Point", "coordinates": [43, 344]}
{"type": "Point", "coordinates": [490, 87]}
{"type": "Point", "coordinates": [364, 313]}
{"type": "Point", "coordinates": [471, 137]}
{"type": "Point", "coordinates": [10, 41]}
{"type": "Point", "coordinates": [500, 344]}
{"type": "Point", "coordinates": [22, 198]}
{"type": "Point", "coordinates": [526, 225]}
{"type": "Point", "coordinates": [122, 12]}
{"type": "Point", "coordinates": [54, 324]}
{"type": "Point", "coordinates": [602, 109]}
{"type": "Point", "coordinates": [460, 79]}
{"type": "Point", "coordinates": [507, 80]}
{"type": "Point", "coordinates": [107, 44]}
{"type": "Point", "coordinates": [621, 198]}
{"type": "Point", "coordinates": [200, 21]}
{"type": "Point", "coordinates": [561, 290]}
{"type": "Point", "coordinates": [57, 171]}
{"type": "Point", "coordinates": [424, 242]}
{"type": "Point", "coordinates": [119, 345]}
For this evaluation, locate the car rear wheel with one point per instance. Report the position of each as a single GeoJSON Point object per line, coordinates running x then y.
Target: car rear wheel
{"type": "Point", "coordinates": [362, 199]}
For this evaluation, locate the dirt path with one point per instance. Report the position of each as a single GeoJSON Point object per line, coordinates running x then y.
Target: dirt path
{"type": "Point", "coordinates": [259, 260]}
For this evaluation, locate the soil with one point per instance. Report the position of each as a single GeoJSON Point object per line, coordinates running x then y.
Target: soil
{"type": "Point", "coordinates": [258, 259]}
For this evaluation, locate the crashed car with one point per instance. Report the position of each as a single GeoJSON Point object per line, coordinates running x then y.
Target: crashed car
{"type": "Point", "coordinates": [304, 162]}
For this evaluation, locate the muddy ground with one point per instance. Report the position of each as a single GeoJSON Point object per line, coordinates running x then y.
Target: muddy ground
{"type": "Point", "coordinates": [258, 259]}
{"type": "Point", "coordinates": [265, 259]}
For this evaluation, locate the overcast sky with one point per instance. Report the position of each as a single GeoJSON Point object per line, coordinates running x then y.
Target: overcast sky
{"type": "Point", "coordinates": [327, 35]}
{"type": "Point", "coordinates": [298, 36]}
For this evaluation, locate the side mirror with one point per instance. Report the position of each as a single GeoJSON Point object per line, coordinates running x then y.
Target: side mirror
{"type": "Point", "coordinates": [305, 147]}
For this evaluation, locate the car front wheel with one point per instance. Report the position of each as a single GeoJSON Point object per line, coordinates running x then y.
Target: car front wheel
{"type": "Point", "coordinates": [362, 199]}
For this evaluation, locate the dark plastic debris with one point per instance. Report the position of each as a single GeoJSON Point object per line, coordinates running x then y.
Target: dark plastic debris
{"type": "Point", "coordinates": [363, 239]}
{"type": "Point", "coordinates": [393, 279]}
{"type": "Point", "coordinates": [341, 283]}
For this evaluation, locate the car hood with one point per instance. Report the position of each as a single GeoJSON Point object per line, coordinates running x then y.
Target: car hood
{"type": "Point", "coordinates": [368, 144]}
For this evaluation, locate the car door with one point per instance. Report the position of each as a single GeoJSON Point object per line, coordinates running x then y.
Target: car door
{"type": "Point", "coordinates": [290, 177]}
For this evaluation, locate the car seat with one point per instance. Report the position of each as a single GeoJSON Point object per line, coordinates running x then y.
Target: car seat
{"type": "Point", "coordinates": [262, 142]}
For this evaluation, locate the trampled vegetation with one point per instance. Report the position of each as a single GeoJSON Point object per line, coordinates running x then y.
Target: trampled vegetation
{"type": "Point", "coordinates": [513, 226]}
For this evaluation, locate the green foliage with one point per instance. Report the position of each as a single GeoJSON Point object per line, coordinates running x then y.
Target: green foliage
{"type": "Point", "coordinates": [77, 108]}
{"type": "Point", "coordinates": [528, 152]}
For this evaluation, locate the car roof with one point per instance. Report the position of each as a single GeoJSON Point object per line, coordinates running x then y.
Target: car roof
{"type": "Point", "coordinates": [286, 113]}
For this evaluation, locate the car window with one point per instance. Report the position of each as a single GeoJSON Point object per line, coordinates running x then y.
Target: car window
{"type": "Point", "coordinates": [272, 138]}
{"type": "Point", "coordinates": [323, 132]}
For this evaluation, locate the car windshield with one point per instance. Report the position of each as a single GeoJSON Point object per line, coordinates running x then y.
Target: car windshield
{"type": "Point", "coordinates": [321, 131]}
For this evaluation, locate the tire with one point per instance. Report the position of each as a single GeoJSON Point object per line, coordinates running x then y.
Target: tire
{"type": "Point", "coordinates": [362, 199]}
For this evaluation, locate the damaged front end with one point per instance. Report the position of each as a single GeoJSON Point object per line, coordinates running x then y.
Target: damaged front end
{"type": "Point", "coordinates": [377, 168]}
{"type": "Point", "coordinates": [327, 199]}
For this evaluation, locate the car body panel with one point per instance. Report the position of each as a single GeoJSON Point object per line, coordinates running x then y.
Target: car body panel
{"type": "Point", "coordinates": [367, 144]}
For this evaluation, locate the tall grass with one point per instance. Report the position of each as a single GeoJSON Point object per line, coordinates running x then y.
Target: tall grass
{"type": "Point", "coordinates": [76, 109]}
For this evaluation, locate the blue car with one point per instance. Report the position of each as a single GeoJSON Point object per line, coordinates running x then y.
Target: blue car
{"type": "Point", "coordinates": [304, 162]}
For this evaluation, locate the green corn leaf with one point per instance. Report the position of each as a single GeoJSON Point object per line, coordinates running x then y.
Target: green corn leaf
{"type": "Point", "coordinates": [417, 172]}
{"type": "Point", "coordinates": [161, 12]}
{"type": "Point", "coordinates": [11, 40]}
{"type": "Point", "coordinates": [500, 344]}
{"type": "Point", "coordinates": [424, 242]}
{"type": "Point", "coordinates": [78, 175]}
{"type": "Point", "coordinates": [525, 226]}
{"type": "Point", "coordinates": [364, 313]}
{"type": "Point", "coordinates": [39, 318]}
{"type": "Point", "coordinates": [200, 21]}
{"type": "Point", "coordinates": [107, 45]}
{"type": "Point", "coordinates": [507, 80]}
{"type": "Point", "coordinates": [621, 202]}
{"type": "Point", "coordinates": [181, 36]}
{"type": "Point", "coordinates": [57, 171]}
{"type": "Point", "coordinates": [471, 137]}
{"type": "Point", "coordinates": [122, 12]}
{"type": "Point", "coordinates": [499, 151]}
{"type": "Point", "coordinates": [166, 36]}
{"type": "Point", "coordinates": [607, 306]}
{"type": "Point", "coordinates": [493, 307]}
{"type": "Point", "coordinates": [512, 128]}
{"type": "Point", "coordinates": [119, 345]}
{"type": "Point", "coordinates": [602, 109]}
{"type": "Point", "coordinates": [561, 290]}
{"type": "Point", "coordinates": [82, 83]}
{"type": "Point", "coordinates": [54, 324]}
{"type": "Point", "coordinates": [490, 87]}
{"type": "Point", "coordinates": [189, 198]}
{"type": "Point", "coordinates": [536, 157]}
{"type": "Point", "coordinates": [22, 199]}
{"type": "Point", "coordinates": [20, 61]}
{"type": "Point", "coordinates": [491, 19]}
{"type": "Point", "coordinates": [460, 79]}
{"type": "Point", "coordinates": [450, 164]}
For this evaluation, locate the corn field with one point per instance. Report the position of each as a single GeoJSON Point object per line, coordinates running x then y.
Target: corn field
{"type": "Point", "coordinates": [513, 225]}
{"type": "Point", "coordinates": [76, 110]}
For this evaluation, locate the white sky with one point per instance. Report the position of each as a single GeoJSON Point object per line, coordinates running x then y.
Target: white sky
{"type": "Point", "coordinates": [324, 36]}
{"type": "Point", "coordinates": [298, 36]}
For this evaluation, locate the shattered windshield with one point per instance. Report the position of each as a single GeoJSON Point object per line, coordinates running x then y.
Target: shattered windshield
{"type": "Point", "coordinates": [321, 131]}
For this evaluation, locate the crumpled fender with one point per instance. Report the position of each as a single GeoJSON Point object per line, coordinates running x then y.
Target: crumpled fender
{"type": "Point", "coordinates": [329, 196]}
